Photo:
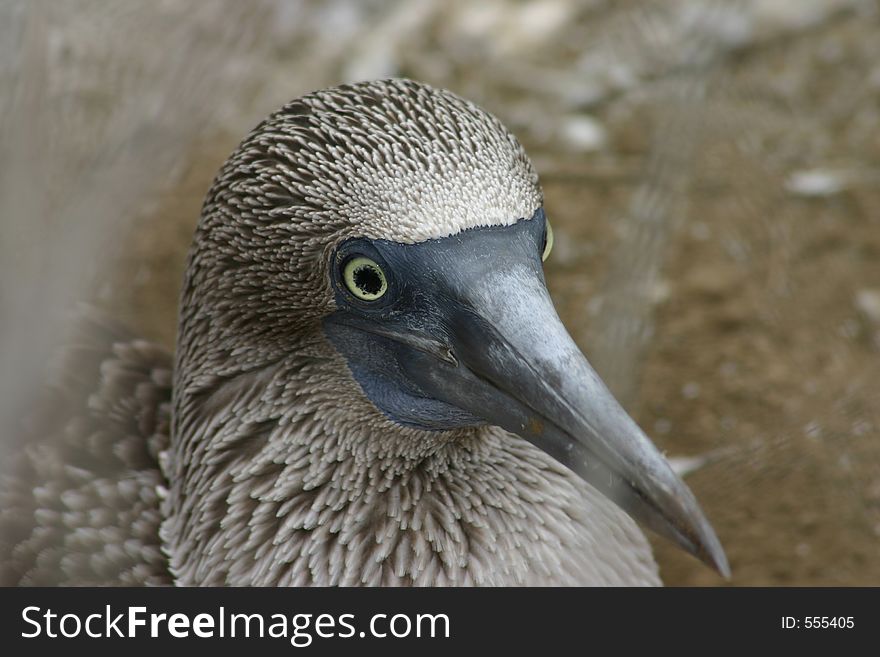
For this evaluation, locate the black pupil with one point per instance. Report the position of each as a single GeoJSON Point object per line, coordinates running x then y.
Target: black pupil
{"type": "Point", "coordinates": [368, 280]}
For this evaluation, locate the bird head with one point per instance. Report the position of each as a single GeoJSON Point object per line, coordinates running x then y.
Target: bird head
{"type": "Point", "coordinates": [404, 226]}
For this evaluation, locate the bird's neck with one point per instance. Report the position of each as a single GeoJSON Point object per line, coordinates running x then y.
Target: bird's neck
{"type": "Point", "coordinates": [285, 474]}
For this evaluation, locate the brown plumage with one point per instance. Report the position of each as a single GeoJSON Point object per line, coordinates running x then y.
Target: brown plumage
{"type": "Point", "coordinates": [78, 498]}
{"type": "Point", "coordinates": [281, 470]}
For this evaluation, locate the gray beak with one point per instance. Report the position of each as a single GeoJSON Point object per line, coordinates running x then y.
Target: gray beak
{"type": "Point", "coordinates": [468, 335]}
{"type": "Point", "coordinates": [519, 369]}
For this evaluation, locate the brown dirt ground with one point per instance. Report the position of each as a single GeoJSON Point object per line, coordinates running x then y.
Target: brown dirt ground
{"type": "Point", "coordinates": [759, 354]}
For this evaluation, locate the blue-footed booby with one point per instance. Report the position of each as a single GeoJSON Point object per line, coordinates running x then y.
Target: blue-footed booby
{"type": "Point", "coordinates": [371, 385]}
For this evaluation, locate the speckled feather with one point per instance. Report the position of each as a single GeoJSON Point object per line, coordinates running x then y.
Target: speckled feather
{"type": "Point", "coordinates": [79, 501]}
{"type": "Point", "coordinates": [280, 470]}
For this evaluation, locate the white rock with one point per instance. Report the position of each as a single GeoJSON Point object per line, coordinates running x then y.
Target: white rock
{"type": "Point", "coordinates": [816, 182]}
{"type": "Point", "coordinates": [867, 302]}
{"type": "Point", "coordinates": [685, 465]}
{"type": "Point", "coordinates": [582, 133]}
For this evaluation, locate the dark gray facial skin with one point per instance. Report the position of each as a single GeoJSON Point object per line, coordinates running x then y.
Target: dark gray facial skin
{"type": "Point", "coordinates": [466, 334]}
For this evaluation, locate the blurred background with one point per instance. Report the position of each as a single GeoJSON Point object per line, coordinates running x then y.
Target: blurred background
{"type": "Point", "coordinates": [711, 169]}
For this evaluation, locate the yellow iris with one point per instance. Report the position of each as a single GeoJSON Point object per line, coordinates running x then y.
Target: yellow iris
{"type": "Point", "coordinates": [364, 279]}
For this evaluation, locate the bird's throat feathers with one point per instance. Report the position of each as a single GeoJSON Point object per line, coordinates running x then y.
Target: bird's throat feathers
{"type": "Point", "coordinates": [275, 483]}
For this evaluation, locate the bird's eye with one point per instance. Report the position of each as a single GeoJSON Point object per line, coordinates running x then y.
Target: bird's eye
{"type": "Point", "coordinates": [548, 242]}
{"type": "Point", "coordinates": [364, 278]}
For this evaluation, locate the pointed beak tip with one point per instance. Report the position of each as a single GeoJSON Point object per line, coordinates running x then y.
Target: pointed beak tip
{"type": "Point", "coordinates": [719, 562]}
{"type": "Point", "coordinates": [708, 549]}
{"type": "Point", "coordinates": [678, 516]}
